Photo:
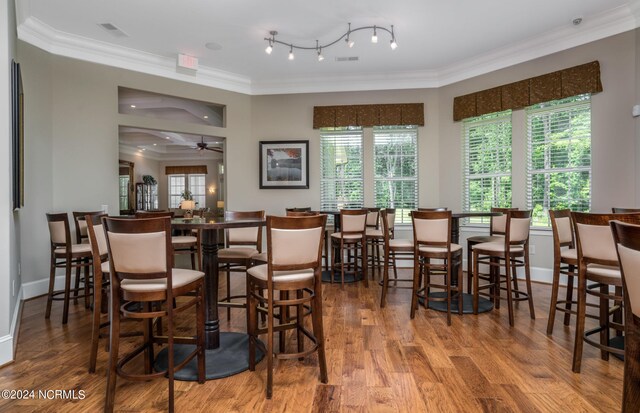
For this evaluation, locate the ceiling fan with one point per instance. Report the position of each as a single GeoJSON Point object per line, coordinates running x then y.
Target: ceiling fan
{"type": "Point", "coordinates": [202, 145]}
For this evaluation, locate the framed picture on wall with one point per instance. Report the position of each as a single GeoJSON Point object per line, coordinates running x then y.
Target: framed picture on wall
{"type": "Point", "coordinates": [17, 139]}
{"type": "Point", "coordinates": [284, 164]}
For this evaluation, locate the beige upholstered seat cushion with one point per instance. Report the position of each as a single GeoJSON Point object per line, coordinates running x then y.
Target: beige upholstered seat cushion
{"type": "Point", "coordinates": [486, 238]}
{"type": "Point", "coordinates": [630, 261]}
{"type": "Point", "coordinates": [260, 272]}
{"type": "Point", "coordinates": [337, 235]}
{"type": "Point", "coordinates": [496, 247]}
{"type": "Point", "coordinates": [371, 232]}
{"type": "Point", "coordinates": [179, 276]}
{"type": "Point", "coordinates": [401, 243]}
{"type": "Point", "coordinates": [75, 249]}
{"type": "Point", "coordinates": [570, 254]}
{"type": "Point", "coordinates": [237, 252]}
{"type": "Point", "coordinates": [439, 250]}
{"type": "Point", "coordinates": [183, 239]}
{"type": "Point", "coordinates": [262, 257]}
{"type": "Point", "coordinates": [603, 271]}
{"type": "Point", "coordinates": [105, 267]}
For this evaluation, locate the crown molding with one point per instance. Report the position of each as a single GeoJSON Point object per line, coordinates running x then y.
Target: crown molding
{"type": "Point", "coordinates": [60, 43]}
{"type": "Point", "coordinates": [594, 28]}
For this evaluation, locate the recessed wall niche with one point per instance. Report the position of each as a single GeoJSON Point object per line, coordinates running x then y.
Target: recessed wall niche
{"type": "Point", "coordinates": [158, 106]}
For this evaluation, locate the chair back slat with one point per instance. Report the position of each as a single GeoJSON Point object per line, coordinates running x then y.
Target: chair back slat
{"type": "Point", "coordinates": [244, 236]}
{"type": "Point", "coordinates": [353, 220]}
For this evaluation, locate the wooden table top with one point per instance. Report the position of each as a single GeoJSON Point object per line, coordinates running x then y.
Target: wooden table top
{"type": "Point", "coordinates": [215, 223]}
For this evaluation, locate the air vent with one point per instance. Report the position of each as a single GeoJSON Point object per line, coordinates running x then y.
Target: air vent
{"type": "Point", "coordinates": [113, 30]}
{"type": "Point", "coordinates": [347, 59]}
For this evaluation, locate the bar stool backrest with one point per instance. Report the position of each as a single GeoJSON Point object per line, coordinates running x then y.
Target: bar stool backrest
{"type": "Point", "coordinates": [298, 209]}
{"type": "Point", "coordinates": [617, 210]}
{"type": "Point", "coordinates": [562, 228]}
{"type": "Point", "coordinates": [517, 227]}
{"type": "Point", "coordinates": [627, 240]}
{"type": "Point", "coordinates": [373, 217]}
{"type": "Point", "coordinates": [498, 224]}
{"type": "Point", "coordinates": [594, 238]}
{"type": "Point", "coordinates": [154, 214]}
{"type": "Point", "coordinates": [97, 237]}
{"type": "Point", "coordinates": [432, 228]}
{"type": "Point", "coordinates": [295, 243]}
{"type": "Point", "coordinates": [81, 224]}
{"type": "Point", "coordinates": [353, 221]}
{"type": "Point", "coordinates": [245, 236]}
{"type": "Point", "coordinates": [59, 231]}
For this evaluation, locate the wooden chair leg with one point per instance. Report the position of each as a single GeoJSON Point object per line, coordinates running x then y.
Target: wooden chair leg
{"type": "Point", "coordinates": [631, 383]}
{"type": "Point", "coordinates": [200, 334]}
{"type": "Point", "coordinates": [52, 280]}
{"type": "Point", "coordinates": [569, 296]}
{"type": "Point", "coordinates": [448, 284]}
{"type": "Point", "coordinates": [395, 267]}
{"type": "Point", "coordinates": [67, 291]}
{"type": "Point", "coordinates": [578, 343]}
{"type": "Point", "coordinates": [476, 292]}
{"type": "Point", "coordinates": [364, 266]}
{"type": "Point", "coordinates": [460, 288]}
{"type": "Point", "coordinates": [114, 345]}
{"type": "Point", "coordinates": [95, 327]}
{"type": "Point", "coordinates": [87, 284]}
{"type": "Point", "coordinates": [252, 324]}
{"type": "Point", "coordinates": [604, 321]}
{"type": "Point", "coordinates": [284, 318]}
{"type": "Point", "coordinates": [416, 286]}
{"type": "Point", "coordinates": [228, 291]}
{"type": "Point", "coordinates": [507, 269]}
{"type": "Point", "coordinates": [385, 280]}
{"type": "Point", "coordinates": [469, 267]}
{"type": "Point", "coordinates": [300, 324]}
{"type": "Point", "coordinates": [318, 330]}
{"type": "Point", "coordinates": [76, 286]}
{"type": "Point", "coordinates": [269, 354]}
{"type": "Point", "coordinates": [527, 275]}
{"type": "Point", "coordinates": [554, 296]}
{"type": "Point", "coordinates": [170, 353]}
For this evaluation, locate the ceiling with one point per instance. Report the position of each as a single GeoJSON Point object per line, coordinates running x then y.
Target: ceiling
{"type": "Point", "coordinates": [439, 41]}
{"type": "Point", "coordinates": [167, 146]}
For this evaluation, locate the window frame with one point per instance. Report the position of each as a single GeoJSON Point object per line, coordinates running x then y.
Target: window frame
{"type": "Point", "coordinates": [186, 185]}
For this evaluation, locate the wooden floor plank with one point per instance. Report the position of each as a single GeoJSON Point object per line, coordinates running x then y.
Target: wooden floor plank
{"type": "Point", "coordinates": [378, 360]}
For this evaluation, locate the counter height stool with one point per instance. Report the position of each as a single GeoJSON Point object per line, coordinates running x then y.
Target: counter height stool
{"type": "Point", "coordinates": [627, 239]}
{"type": "Point", "coordinates": [393, 248]}
{"type": "Point", "coordinates": [510, 252]}
{"type": "Point", "coordinates": [140, 261]}
{"type": "Point", "coordinates": [353, 240]}
{"type": "Point", "coordinates": [241, 246]}
{"type": "Point", "coordinates": [294, 246]}
{"type": "Point", "coordinates": [432, 241]}
{"type": "Point", "coordinates": [598, 263]}
{"type": "Point", "coordinates": [375, 238]}
{"type": "Point", "coordinates": [496, 233]}
{"type": "Point", "coordinates": [82, 238]}
{"type": "Point", "coordinates": [65, 254]}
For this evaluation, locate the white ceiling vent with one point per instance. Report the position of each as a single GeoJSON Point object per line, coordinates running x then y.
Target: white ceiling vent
{"type": "Point", "coordinates": [113, 30]}
{"type": "Point", "coordinates": [347, 59]}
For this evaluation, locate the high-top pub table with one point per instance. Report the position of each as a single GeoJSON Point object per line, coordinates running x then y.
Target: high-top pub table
{"type": "Point", "coordinates": [227, 353]}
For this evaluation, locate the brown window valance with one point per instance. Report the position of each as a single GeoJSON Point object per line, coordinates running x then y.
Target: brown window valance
{"type": "Point", "coordinates": [368, 115]}
{"type": "Point", "coordinates": [551, 86]}
{"type": "Point", "coordinates": [187, 169]}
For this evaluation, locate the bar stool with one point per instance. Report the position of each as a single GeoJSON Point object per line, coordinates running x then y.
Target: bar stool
{"type": "Point", "coordinates": [432, 240]}
{"type": "Point", "coordinates": [510, 252]}
{"type": "Point", "coordinates": [82, 238]}
{"type": "Point", "coordinates": [294, 246]}
{"type": "Point", "coordinates": [242, 245]}
{"type": "Point", "coordinates": [140, 259]}
{"type": "Point", "coordinates": [393, 248]}
{"type": "Point", "coordinates": [66, 255]}
{"type": "Point", "coordinates": [350, 239]}
{"type": "Point", "coordinates": [598, 263]}
{"type": "Point", "coordinates": [627, 240]}
{"type": "Point", "coordinates": [496, 233]}
{"type": "Point", "coordinates": [565, 261]}
{"type": "Point", "coordinates": [325, 253]}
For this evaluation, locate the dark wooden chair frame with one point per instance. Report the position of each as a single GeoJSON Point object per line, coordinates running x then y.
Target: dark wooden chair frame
{"type": "Point", "coordinates": [351, 246]}
{"type": "Point", "coordinates": [629, 236]}
{"type": "Point", "coordinates": [391, 253]}
{"type": "Point", "coordinates": [122, 306]}
{"type": "Point", "coordinates": [375, 242]}
{"type": "Point", "coordinates": [424, 269]}
{"type": "Point", "coordinates": [305, 292]}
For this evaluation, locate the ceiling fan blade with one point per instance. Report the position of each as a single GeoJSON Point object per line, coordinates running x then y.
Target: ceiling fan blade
{"type": "Point", "coordinates": [214, 149]}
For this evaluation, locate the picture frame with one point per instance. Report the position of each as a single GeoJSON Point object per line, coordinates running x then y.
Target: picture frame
{"type": "Point", "coordinates": [284, 164]}
{"type": "Point", "coordinates": [17, 136]}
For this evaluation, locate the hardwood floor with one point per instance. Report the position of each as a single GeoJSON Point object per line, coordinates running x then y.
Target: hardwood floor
{"type": "Point", "coordinates": [378, 360]}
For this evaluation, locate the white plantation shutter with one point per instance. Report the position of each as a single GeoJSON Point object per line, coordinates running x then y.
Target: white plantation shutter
{"type": "Point", "coordinates": [341, 176]}
{"type": "Point", "coordinates": [177, 185]}
{"type": "Point", "coordinates": [559, 157]}
{"type": "Point", "coordinates": [395, 160]}
{"type": "Point", "coordinates": [487, 163]}
{"type": "Point", "coordinates": [198, 189]}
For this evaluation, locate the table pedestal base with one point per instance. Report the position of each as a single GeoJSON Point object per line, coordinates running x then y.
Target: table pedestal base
{"type": "Point", "coordinates": [232, 357]}
{"type": "Point", "coordinates": [484, 305]}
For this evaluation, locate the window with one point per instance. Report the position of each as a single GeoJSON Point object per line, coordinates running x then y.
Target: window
{"type": "Point", "coordinates": [487, 163]}
{"type": "Point", "coordinates": [395, 160]}
{"type": "Point", "coordinates": [559, 157]}
{"type": "Point", "coordinates": [198, 189]}
{"type": "Point", "coordinates": [176, 187]}
{"type": "Point", "coordinates": [124, 192]}
{"type": "Point", "coordinates": [341, 179]}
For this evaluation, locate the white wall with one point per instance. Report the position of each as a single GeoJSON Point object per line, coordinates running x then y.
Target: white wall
{"type": "Point", "coordinates": [9, 220]}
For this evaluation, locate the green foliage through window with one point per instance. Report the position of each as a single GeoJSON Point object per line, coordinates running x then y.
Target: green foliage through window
{"type": "Point", "coordinates": [341, 180]}
{"type": "Point", "coordinates": [559, 157]}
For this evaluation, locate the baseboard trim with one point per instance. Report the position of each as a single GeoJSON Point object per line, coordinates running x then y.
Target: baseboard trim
{"type": "Point", "coordinates": [41, 287]}
{"type": "Point", "coordinates": [9, 342]}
